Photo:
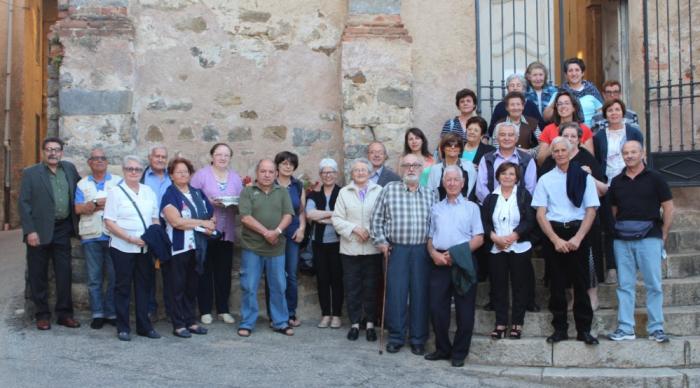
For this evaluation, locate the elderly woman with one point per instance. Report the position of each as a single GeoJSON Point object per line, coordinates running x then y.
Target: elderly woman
{"type": "Point", "coordinates": [326, 245]}
{"type": "Point", "coordinates": [130, 208]}
{"type": "Point", "coordinates": [474, 148]}
{"type": "Point", "coordinates": [465, 100]}
{"type": "Point", "coordinates": [526, 126]}
{"type": "Point", "coordinates": [585, 92]}
{"type": "Point", "coordinates": [515, 83]}
{"type": "Point", "coordinates": [218, 181]}
{"type": "Point", "coordinates": [538, 90]}
{"type": "Point", "coordinates": [189, 222]}
{"type": "Point", "coordinates": [416, 143]}
{"type": "Point", "coordinates": [451, 148]}
{"type": "Point", "coordinates": [287, 162]}
{"type": "Point", "coordinates": [567, 110]}
{"type": "Point", "coordinates": [508, 220]}
{"type": "Point", "coordinates": [361, 259]}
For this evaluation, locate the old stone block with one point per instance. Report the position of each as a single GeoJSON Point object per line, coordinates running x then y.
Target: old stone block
{"type": "Point", "coordinates": [305, 137]}
{"type": "Point", "coordinates": [249, 114]}
{"type": "Point", "coordinates": [207, 57]}
{"type": "Point", "coordinates": [623, 354]}
{"type": "Point", "coordinates": [99, 3]}
{"type": "Point", "coordinates": [389, 7]}
{"type": "Point", "coordinates": [254, 16]}
{"type": "Point", "coordinates": [154, 134]}
{"type": "Point", "coordinates": [328, 116]}
{"type": "Point", "coordinates": [94, 102]}
{"type": "Point", "coordinates": [354, 151]}
{"type": "Point", "coordinates": [277, 132]}
{"type": "Point", "coordinates": [210, 133]}
{"type": "Point", "coordinates": [393, 96]}
{"type": "Point", "coordinates": [525, 352]}
{"type": "Point", "coordinates": [238, 134]}
{"type": "Point", "coordinates": [611, 377]}
{"type": "Point", "coordinates": [357, 78]}
{"type": "Point", "coordinates": [196, 25]}
{"type": "Point", "coordinates": [228, 99]}
{"type": "Point", "coordinates": [161, 104]}
{"type": "Point", "coordinates": [185, 134]}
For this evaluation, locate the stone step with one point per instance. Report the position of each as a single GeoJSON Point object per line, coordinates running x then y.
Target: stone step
{"type": "Point", "coordinates": [591, 377]}
{"type": "Point", "coordinates": [536, 352]}
{"type": "Point", "coordinates": [683, 240]}
{"type": "Point", "coordinates": [679, 321]}
{"type": "Point", "coordinates": [677, 292]}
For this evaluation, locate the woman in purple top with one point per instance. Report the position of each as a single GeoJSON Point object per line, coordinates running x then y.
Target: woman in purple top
{"type": "Point", "coordinates": [216, 181]}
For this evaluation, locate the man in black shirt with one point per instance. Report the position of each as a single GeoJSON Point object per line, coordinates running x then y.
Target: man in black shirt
{"type": "Point", "coordinates": [636, 195]}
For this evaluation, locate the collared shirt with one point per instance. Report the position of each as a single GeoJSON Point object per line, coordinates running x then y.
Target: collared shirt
{"type": "Point", "coordinates": [377, 173]}
{"type": "Point", "coordinates": [551, 194]}
{"type": "Point", "coordinates": [454, 223]}
{"type": "Point", "coordinates": [268, 209]}
{"type": "Point", "coordinates": [59, 184]}
{"type": "Point", "coordinates": [482, 190]}
{"type": "Point", "coordinates": [156, 183]}
{"type": "Point", "coordinates": [119, 209]}
{"type": "Point", "coordinates": [506, 217]}
{"type": "Point", "coordinates": [101, 193]}
{"type": "Point", "coordinates": [541, 99]}
{"type": "Point", "coordinates": [401, 216]}
{"type": "Point", "coordinates": [599, 123]}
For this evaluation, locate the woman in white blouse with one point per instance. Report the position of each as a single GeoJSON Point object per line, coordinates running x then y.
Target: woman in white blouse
{"type": "Point", "coordinates": [132, 263]}
{"type": "Point", "coordinates": [508, 220]}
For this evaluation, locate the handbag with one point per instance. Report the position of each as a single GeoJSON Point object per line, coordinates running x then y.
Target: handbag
{"type": "Point", "coordinates": [145, 228]}
{"type": "Point", "coordinates": [633, 229]}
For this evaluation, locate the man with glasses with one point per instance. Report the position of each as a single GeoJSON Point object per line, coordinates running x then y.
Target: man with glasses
{"type": "Point", "coordinates": [48, 222]}
{"type": "Point", "coordinates": [376, 154]}
{"type": "Point", "coordinates": [399, 229]}
{"type": "Point", "coordinates": [612, 90]}
{"type": "Point", "coordinates": [90, 198]}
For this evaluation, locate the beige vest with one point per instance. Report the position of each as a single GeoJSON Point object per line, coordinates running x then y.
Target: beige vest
{"type": "Point", "coordinates": [91, 225]}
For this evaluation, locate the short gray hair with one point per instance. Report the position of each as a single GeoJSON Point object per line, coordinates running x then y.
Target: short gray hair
{"type": "Point", "coordinates": [565, 141]}
{"type": "Point", "coordinates": [363, 161]}
{"type": "Point", "coordinates": [500, 125]}
{"type": "Point", "coordinates": [518, 76]}
{"type": "Point", "coordinates": [131, 158]}
{"type": "Point", "coordinates": [328, 163]}
{"type": "Point", "coordinates": [453, 168]}
{"type": "Point", "coordinates": [157, 147]}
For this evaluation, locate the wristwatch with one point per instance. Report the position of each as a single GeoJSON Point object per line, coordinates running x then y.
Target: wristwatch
{"type": "Point", "coordinates": [94, 202]}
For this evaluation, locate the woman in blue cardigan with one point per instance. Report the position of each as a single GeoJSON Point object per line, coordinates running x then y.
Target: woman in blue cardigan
{"type": "Point", "coordinates": [608, 143]}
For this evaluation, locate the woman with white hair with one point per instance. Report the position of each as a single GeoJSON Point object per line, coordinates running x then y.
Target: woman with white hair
{"type": "Point", "coordinates": [326, 245]}
{"type": "Point", "coordinates": [515, 83]}
{"type": "Point", "coordinates": [361, 259]}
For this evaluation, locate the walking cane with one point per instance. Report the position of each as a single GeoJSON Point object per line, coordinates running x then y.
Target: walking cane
{"type": "Point", "coordinates": [381, 333]}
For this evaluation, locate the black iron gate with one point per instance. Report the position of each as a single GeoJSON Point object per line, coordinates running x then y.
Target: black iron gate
{"type": "Point", "coordinates": [670, 89]}
{"type": "Point", "coordinates": [508, 37]}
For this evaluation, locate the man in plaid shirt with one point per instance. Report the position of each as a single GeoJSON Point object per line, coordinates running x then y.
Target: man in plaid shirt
{"type": "Point", "coordinates": [399, 228]}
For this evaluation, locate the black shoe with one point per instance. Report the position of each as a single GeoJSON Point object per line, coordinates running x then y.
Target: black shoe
{"type": "Point", "coordinates": [436, 355]}
{"type": "Point", "coordinates": [393, 348]}
{"type": "Point", "coordinates": [353, 334]}
{"type": "Point", "coordinates": [457, 363]}
{"type": "Point", "coordinates": [110, 321]}
{"type": "Point", "coordinates": [97, 323]}
{"type": "Point", "coordinates": [488, 307]}
{"type": "Point", "coordinates": [533, 308]}
{"type": "Point", "coordinates": [418, 350]}
{"type": "Point", "coordinates": [182, 333]}
{"type": "Point", "coordinates": [587, 338]}
{"type": "Point", "coordinates": [371, 334]}
{"type": "Point", "coordinates": [557, 336]}
{"type": "Point", "coordinates": [150, 334]}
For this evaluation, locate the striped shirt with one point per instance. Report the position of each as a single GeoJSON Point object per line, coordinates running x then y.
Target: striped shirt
{"type": "Point", "coordinates": [401, 216]}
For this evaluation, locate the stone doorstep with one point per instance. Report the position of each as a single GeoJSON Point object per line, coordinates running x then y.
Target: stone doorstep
{"type": "Point", "coordinates": [531, 352]}
{"type": "Point", "coordinates": [676, 292]}
{"type": "Point", "coordinates": [679, 321]}
{"type": "Point", "coordinates": [683, 240]}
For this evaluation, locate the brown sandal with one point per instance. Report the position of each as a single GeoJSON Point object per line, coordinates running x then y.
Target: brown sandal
{"type": "Point", "coordinates": [242, 332]}
{"type": "Point", "coordinates": [288, 331]}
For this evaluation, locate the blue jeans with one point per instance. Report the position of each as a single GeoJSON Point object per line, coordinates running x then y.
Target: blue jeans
{"type": "Point", "coordinates": [408, 277]}
{"type": "Point", "coordinates": [97, 259]}
{"type": "Point", "coordinates": [252, 267]}
{"type": "Point", "coordinates": [644, 254]}
{"type": "Point", "coordinates": [291, 266]}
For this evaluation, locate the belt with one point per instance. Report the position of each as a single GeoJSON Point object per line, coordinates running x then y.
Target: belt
{"type": "Point", "coordinates": [441, 250]}
{"type": "Point", "coordinates": [566, 225]}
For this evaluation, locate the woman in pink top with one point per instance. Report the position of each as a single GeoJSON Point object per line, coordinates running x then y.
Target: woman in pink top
{"type": "Point", "coordinates": [218, 180]}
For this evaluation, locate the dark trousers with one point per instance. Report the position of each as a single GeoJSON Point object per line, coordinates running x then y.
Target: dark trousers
{"type": "Point", "coordinates": [360, 275]}
{"type": "Point", "coordinates": [182, 291]}
{"type": "Point", "coordinates": [215, 282]}
{"type": "Point", "coordinates": [329, 277]}
{"type": "Point", "coordinates": [607, 222]}
{"type": "Point", "coordinates": [58, 250]}
{"type": "Point", "coordinates": [408, 275]}
{"type": "Point", "coordinates": [441, 293]}
{"type": "Point", "coordinates": [569, 268]}
{"type": "Point", "coordinates": [516, 266]}
{"type": "Point", "coordinates": [128, 268]}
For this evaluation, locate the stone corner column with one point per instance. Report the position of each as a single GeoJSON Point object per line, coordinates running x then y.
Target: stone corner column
{"type": "Point", "coordinates": [377, 78]}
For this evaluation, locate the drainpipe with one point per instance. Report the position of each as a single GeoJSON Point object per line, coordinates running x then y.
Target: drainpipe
{"type": "Point", "coordinates": [6, 137]}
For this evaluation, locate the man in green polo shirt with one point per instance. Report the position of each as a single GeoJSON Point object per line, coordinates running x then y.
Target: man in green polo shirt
{"type": "Point", "coordinates": [266, 210]}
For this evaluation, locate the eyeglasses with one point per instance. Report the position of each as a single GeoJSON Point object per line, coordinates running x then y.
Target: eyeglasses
{"type": "Point", "coordinates": [327, 173]}
{"type": "Point", "coordinates": [612, 92]}
{"type": "Point", "coordinates": [98, 158]}
{"type": "Point", "coordinates": [411, 165]}
{"type": "Point", "coordinates": [360, 170]}
{"type": "Point", "coordinates": [133, 169]}
{"type": "Point", "coordinates": [222, 155]}
{"type": "Point", "coordinates": [452, 145]}
{"type": "Point", "coordinates": [181, 173]}
{"type": "Point", "coordinates": [53, 150]}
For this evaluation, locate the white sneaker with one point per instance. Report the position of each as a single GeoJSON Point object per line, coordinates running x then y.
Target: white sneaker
{"type": "Point", "coordinates": [227, 318]}
{"type": "Point", "coordinates": [336, 323]}
{"type": "Point", "coordinates": [325, 322]}
{"type": "Point", "coordinates": [206, 319]}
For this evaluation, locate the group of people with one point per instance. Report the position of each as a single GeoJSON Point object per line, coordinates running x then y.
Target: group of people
{"type": "Point", "coordinates": [394, 247]}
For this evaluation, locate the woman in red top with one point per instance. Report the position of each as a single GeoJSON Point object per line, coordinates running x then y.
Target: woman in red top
{"type": "Point", "coordinates": [567, 109]}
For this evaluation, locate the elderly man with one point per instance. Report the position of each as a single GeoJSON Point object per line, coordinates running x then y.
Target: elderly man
{"type": "Point", "coordinates": [612, 90]}
{"type": "Point", "coordinates": [377, 155]}
{"type": "Point", "coordinates": [566, 201]}
{"type": "Point", "coordinates": [48, 222]}
{"type": "Point", "coordinates": [266, 210]}
{"type": "Point", "coordinates": [399, 228]}
{"type": "Point", "coordinates": [156, 177]}
{"type": "Point", "coordinates": [90, 197]}
{"type": "Point", "coordinates": [641, 230]}
{"type": "Point", "coordinates": [453, 221]}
